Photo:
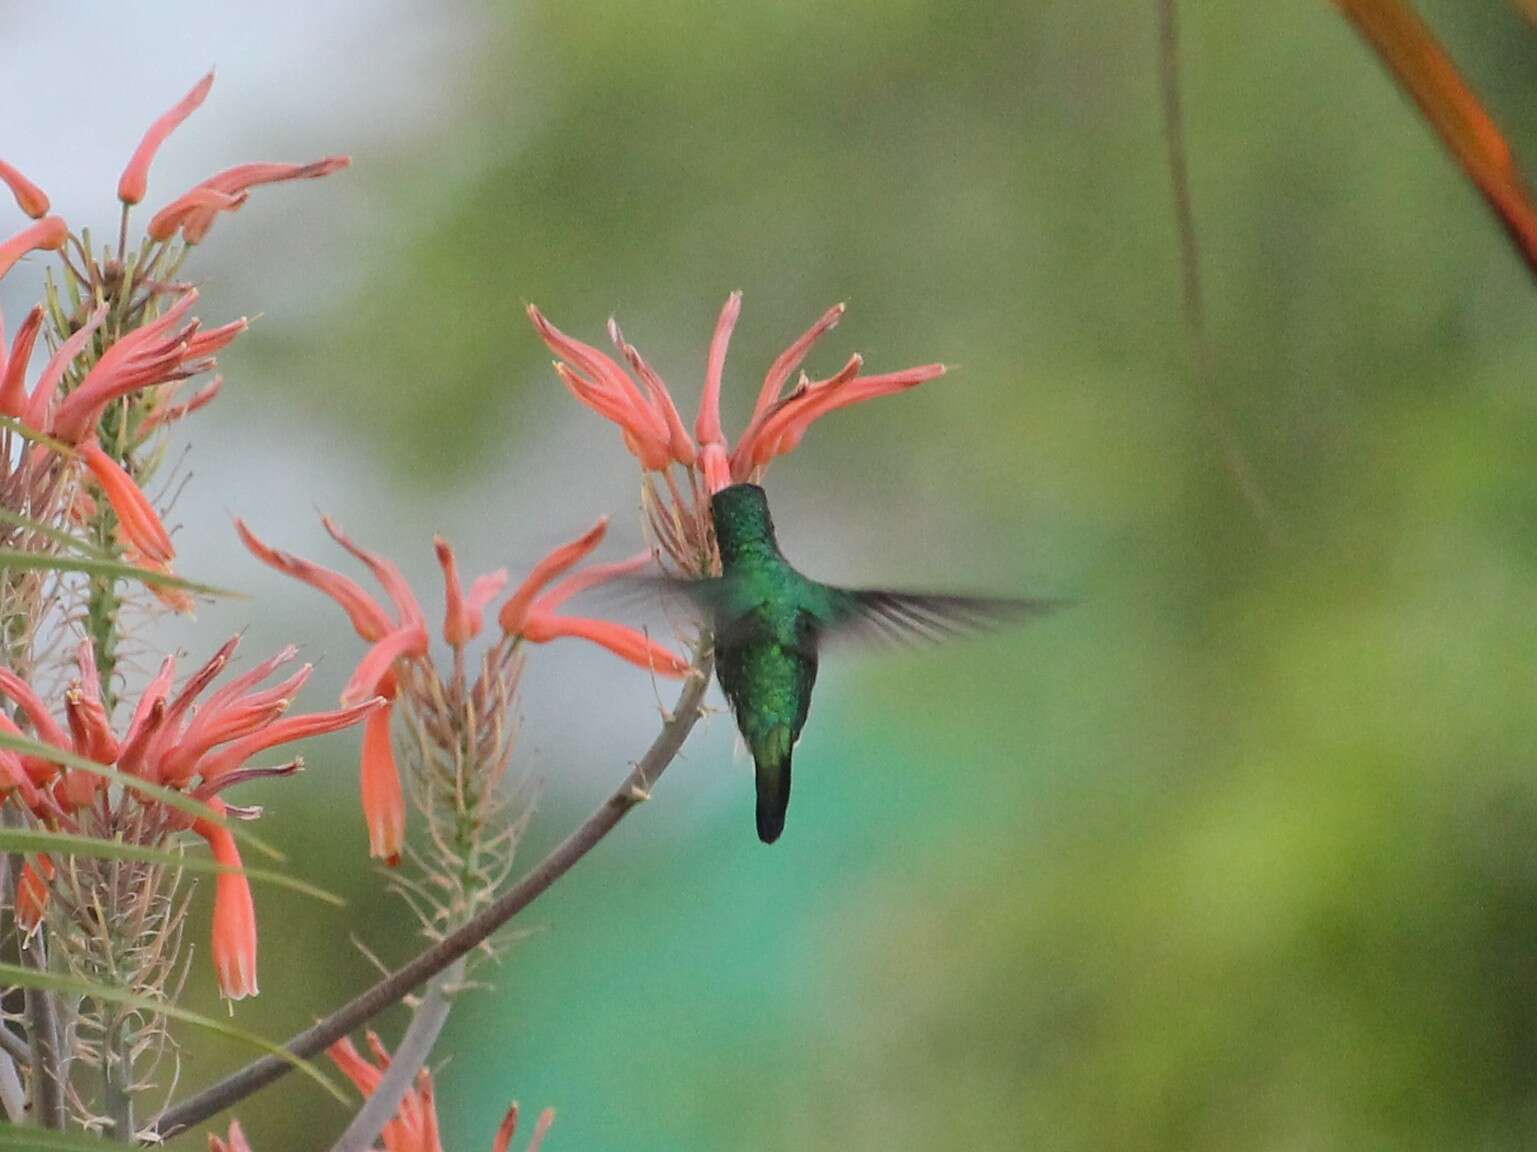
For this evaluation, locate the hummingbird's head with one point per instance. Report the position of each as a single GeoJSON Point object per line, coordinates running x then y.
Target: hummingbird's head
{"type": "Point", "coordinates": [743, 525]}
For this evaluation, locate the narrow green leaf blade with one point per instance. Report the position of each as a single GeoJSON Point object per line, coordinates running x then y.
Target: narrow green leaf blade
{"type": "Point", "coordinates": [58, 536]}
{"type": "Point", "coordinates": [67, 844]}
{"type": "Point", "coordinates": [117, 569]}
{"type": "Point", "coordinates": [14, 975]}
{"type": "Point", "coordinates": [169, 796]}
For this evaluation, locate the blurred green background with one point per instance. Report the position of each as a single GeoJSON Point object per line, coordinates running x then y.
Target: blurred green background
{"type": "Point", "coordinates": [1239, 853]}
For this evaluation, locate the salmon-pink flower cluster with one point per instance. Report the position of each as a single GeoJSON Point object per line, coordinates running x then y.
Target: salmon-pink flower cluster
{"type": "Point", "coordinates": [654, 432]}
{"type": "Point", "coordinates": [198, 744]}
{"type": "Point", "coordinates": [122, 352]}
{"type": "Point", "coordinates": [415, 1126]}
{"type": "Point", "coordinates": [398, 663]}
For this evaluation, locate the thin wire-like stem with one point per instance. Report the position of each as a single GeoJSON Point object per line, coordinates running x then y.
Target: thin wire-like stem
{"type": "Point", "coordinates": [634, 789]}
{"type": "Point", "coordinates": [1217, 419]}
{"type": "Point", "coordinates": [409, 1058]}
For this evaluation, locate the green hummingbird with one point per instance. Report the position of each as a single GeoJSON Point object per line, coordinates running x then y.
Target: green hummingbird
{"type": "Point", "coordinates": [770, 622]}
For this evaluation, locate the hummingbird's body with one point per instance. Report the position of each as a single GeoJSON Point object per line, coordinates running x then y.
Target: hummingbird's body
{"type": "Point", "coordinates": [770, 620]}
{"type": "Point", "coordinates": [765, 648]}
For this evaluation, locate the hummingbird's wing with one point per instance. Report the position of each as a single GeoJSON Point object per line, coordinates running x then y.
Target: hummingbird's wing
{"type": "Point", "coordinates": [883, 616]}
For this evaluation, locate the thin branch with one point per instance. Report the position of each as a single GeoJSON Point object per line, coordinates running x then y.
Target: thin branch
{"type": "Point", "coordinates": [409, 1058]}
{"type": "Point", "coordinates": [1190, 273]}
{"type": "Point", "coordinates": [635, 788]}
{"type": "Point", "coordinates": [15, 1047]}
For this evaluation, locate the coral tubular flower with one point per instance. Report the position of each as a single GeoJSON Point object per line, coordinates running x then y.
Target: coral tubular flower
{"type": "Point", "coordinates": [464, 615]}
{"type": "Point", "coordinates": [39, 406]}
{"type": "Point", "coordinates": [626, 643]}
{"type": "Point", "coordinates": [13, 379]}
{"type": "Point", "coordinates": [414, 1127]}
{"type": "Point", "coordinates": [136, 516]}
{"type": "Point", "coordinates": [647, 419]}
{"type": "Point", "coordinates": [561, 560]}
{"type": "Point", "coordinates": [408, 643]}
{"type": "Point", "coordinates": [157, 353]}
{"type": "Point", "coordinates": [48, 234]}
{"type": "Point", "coordinates": [370, 621]}
{"type": "Point", "coordinates": [468, 724]}
{"type": "Point", "coordinates": [197, 744]}
{"type": "Point", "coordinates": [134, 182]}
{"type": "Point", "coordinates": [29, 197]}
{"type": "Point", "coordinates": [384, 804]}
{"type": "Point", "coordinates": [32, 893]}
{"type": "Point", "coordinates": [164, 224]}
{"type": "Point", "coordinates": [196, 210]}
{"type": "Point", "coordinates": [234, 914]}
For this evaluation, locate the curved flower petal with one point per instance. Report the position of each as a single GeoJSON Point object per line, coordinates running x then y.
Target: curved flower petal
{"type": "Point", "coordinates": [405, 643]}
{"type": "Point", "coordinates": [41, 400]}
{"type": "Point", "coordinates": [385, 571]}
{"type": "Point", "coordinates": [134, 182]}
{"type": "Point", "coordinates": [284, 731]}
{"type": "Point", "coordinates": [789, 360]}
{"type": "Point", "coordinates": [13, 382]}
{"type": "Point", "coordinates": [591, 577]}
{"type": "Point", "coordinates": [48, 234]}
{"type": "Point", "coordinates": [368, 617]}
{"type": "Point", "coordinates": [622, 641]}
{"type": "Point", "coordinates": [135, 514]}
{"type": "Point", "coordinates": [707, 429]}
{"type": "Point", "coordinates": [557, 562]}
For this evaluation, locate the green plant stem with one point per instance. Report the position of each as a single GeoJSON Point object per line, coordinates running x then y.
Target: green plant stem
{"type": "Point", "coordinates": [47, 1079]}
{"type": "Point", "coordinates": [117, 1080]}
{"type": "Point", "coordinates": [633, 790]}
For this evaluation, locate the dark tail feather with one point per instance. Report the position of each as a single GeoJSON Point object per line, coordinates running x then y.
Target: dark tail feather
{"type": "Point", "coordinates": [773, 762]}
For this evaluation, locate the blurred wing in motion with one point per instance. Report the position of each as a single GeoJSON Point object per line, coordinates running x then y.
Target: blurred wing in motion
{"type": "Point", "coordinates": [882, 616]}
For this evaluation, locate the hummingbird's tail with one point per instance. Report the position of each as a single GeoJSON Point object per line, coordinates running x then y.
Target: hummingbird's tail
{"type": "Point", "coordinates": [771, 755]}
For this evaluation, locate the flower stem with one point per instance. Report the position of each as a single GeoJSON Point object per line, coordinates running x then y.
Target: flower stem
{"type": "Point", "coordinates": [117, 1081]}
{"type": "Point", "coordinates": [634, 789]}
{"type": "Point", "coordinates": [409, 1057]}
{"type": "Point", "coordinates": [47, 1079]}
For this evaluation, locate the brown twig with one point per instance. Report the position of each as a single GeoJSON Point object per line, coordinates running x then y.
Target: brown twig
{"type": "Point", "coordinates": [634, 789]}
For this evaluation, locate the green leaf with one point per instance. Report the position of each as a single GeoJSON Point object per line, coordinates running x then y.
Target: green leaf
{"type": "Point", "coordinates": [169, 796]}
{"type": "Point", "coordinates": [14, 975]}
{"type": "Point", "coordinates": [58, 536]}
{"type": "Point", "coordinates": [94, 566]}
{"type": "Point", "coordinates": [66, 844]}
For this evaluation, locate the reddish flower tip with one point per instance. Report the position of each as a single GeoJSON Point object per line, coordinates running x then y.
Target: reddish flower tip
{"type": "Point", "coordinates": [134, 182]}
{"type": "Point", "coordinates": [13, 382]}
{"type": "Point", "coordinates": [48, 234]}
{"type": "Point", "coordinates": [29, 197]}
{"type": "Point", "coordinates": [707, 428]}
{"type": "Point", "coordinates": [235, 1143]}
